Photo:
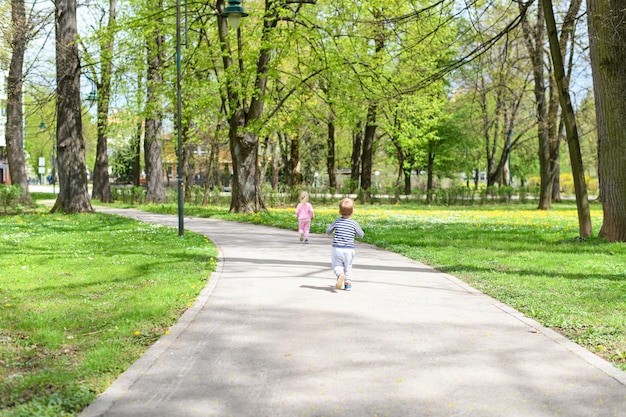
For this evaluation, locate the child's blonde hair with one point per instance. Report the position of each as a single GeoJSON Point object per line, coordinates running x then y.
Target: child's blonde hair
{"type": "Point", "coordinates": [304, 197]}
{"type": "Point", "coordinates": [346, 207]}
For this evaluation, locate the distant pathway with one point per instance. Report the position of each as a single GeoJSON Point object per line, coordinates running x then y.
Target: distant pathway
{"type": "Point", "coordinates": [270, 336]}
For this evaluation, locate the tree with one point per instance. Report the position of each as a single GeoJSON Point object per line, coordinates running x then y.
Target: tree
{"type": "Point", "coordinates": [73, 194]}
{"type": "Point", "coordinates": [547, 107]}
{"type": "Point", "coordinates": [578, 171]}
{"type": "Point", "coordinates": [243, 117]}
{"type": "Point", "coordinates": [153, 143]}
{"type": "Point", "coordinates": [101, 182]}
{"type": "Point", "coordinates": [607, 34]}
{"type": "Point", "coordinates": [15, 116]}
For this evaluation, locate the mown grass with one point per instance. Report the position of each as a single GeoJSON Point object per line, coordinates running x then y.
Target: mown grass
{"type": "Point", "coordinates": [81, 298]}
{"type": "Point", "coordinates": [529, 259]}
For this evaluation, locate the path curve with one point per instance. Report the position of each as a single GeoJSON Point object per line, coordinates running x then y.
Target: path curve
{"type": "Point", "coordinates": [271, 336]}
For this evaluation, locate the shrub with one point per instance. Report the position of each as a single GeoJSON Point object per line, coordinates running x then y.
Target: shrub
{"type": "Point", "coordinates": [10, 196]}
{"type": "Point", "coordinates": [129, 195]}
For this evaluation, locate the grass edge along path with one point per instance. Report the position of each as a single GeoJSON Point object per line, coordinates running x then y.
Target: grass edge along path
{"type": "Point", "coordinates": [529, 259]}
{"type": "Point", "coordinates": [82, 297]}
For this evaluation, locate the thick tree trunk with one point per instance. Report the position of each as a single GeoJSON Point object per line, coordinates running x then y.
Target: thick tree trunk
{"type": "Point", "coordinates": [15, 117]}
{"type": "Point", "coordinates": [578, 172]}
{"type": "Point", "coordinates": [73, 193]}
{"type": "Point", "coordinates": [246, 191]}
{"type": "Point", "coordinates": [153, 145]}
{"type": "Point", "coordinates": [101, 183]}
{"type": "Point", "coordinates": [608, 54]}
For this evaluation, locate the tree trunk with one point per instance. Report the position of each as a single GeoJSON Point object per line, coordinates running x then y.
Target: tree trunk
{"type": "Point", "coordinates": [275, 164]}
{"type": "Point", "coordinates": [430, 183]}
{"type": "Point", "coordinates": [330, 157]}
{"type": "Point", "coordinates": [554, 140]}
{"type": "Point", "coordinates": [368, 152]}
{"type": "Point", "coordinates": [400, 157]}
{"type": "Point", "coordinates": [137, 153]}
{"type": "Point", "coordinates": [355, 160]}
{"type": "Point", "coordinates": [407, 182]}
{"type": "Point", "coordinates": [213, 171]}
{"type": "Point", "coordinates": [578, 172]}
{"type": "Point", "coordinates": [534, 43]}
{"type": "Point", "coordinates": [608, 54]}
{"type": "Point", "coordinates": [294, 152]}
{"type": "Point", "coordinates": [101, 183]}
{"type": "Point", "coordinates": [15, 117]}
{"type": "Point", "coordinates": [153, 145]}
{"type": "Point", "coordinates": [246, 191]}
{"type": "Point", "coordinates": [73, 193]}
{"type": "Point", "coordinates": [556, 126]}
{"type": "Point", "coordinates": [490, 134]}
{"type": "Point", "coordinates": [138, 136]}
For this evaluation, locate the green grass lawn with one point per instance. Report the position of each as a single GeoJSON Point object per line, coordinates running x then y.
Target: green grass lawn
{"type": "Point", "coordinates": [81, 298]}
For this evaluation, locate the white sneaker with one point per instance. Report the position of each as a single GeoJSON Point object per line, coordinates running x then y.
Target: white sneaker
{"type": "Point", "coordinates": [301, 237]}
{"type": "Point", "coordinates": [340, 281]}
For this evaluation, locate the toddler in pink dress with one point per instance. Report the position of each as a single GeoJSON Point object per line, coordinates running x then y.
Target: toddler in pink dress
{"type": "Point", "coordinates": [304, 213]}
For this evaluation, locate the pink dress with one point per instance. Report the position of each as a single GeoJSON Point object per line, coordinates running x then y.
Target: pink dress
{"type": "Point", "coordinates": [304, 212]}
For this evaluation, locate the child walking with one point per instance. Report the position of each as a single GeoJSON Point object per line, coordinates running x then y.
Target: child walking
{"type": "Point", "coordinates": [304, 213]}
{"type": "Point", "coordinates": [345, 229]}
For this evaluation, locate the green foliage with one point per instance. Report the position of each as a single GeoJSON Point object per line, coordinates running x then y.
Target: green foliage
{"type": "Point", "coordinates": [129, 195]}
{"type": "Point", "coordinates": [122, 164]}
{"type": "Point", "coordinates": [10, 197]}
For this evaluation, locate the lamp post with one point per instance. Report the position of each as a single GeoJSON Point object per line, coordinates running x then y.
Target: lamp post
{"type": "Point", "coordinates": [234, 12]}
{"type": "Point", "coordinates": [179, 170]}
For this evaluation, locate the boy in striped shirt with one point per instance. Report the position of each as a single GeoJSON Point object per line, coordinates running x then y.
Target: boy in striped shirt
{"type": "Point", "coordinates": [344, 229]}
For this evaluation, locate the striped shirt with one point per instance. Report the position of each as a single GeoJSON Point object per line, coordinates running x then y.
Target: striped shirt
{"type": "Point", "coordinates": [345, 230]}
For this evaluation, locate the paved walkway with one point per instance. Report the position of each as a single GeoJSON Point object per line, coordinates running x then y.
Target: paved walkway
{"type": "Point", "coordinates": [270, 336]}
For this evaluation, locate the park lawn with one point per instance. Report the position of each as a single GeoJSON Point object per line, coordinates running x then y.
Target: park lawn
{"type": "Point", "coordinates": [529, 259]}
{"type": "Point", "coordinates": [81, 298]}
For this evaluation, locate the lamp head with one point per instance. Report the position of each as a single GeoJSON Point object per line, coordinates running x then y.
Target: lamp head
{"type": "Point", "coordinates": [93, 96]}
{"type": "Point", "coordinates": [234, 12]}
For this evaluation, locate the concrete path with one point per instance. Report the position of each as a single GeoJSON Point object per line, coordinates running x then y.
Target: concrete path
{"type": "Point", "coordinates": [270, 336]}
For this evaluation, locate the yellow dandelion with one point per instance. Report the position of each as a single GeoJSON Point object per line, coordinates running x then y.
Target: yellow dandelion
{"type": "Point", "coordinates": [137, 332]}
